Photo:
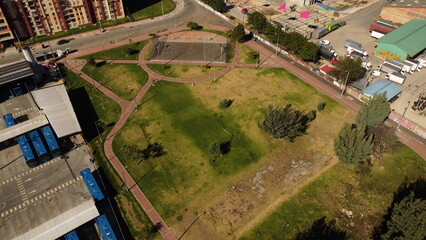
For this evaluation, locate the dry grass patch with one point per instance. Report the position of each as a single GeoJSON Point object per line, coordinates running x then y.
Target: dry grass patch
{"type": "Point", "coordinates": [184, 183]}
{"type": "Point", "coordinates": [185, 71]}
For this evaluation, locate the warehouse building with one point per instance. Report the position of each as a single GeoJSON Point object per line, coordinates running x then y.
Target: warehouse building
{"type": "Point", "coordinates": [402, 11]}
{"type": "Point", "coordinates": [405, 41]}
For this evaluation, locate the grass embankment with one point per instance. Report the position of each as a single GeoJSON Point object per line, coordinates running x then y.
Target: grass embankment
{"type": "Point", "coordinates": [108, 112]}
{"type": "Point", "coordinates": [185, 71]}
{"type": "Point", "coordinates": [247, 54]}
{"type": "Point", "coordinates": [186, 119]}
{"type": "Point", "coordinates": [118, 53]}
{"type": "Point", "coordinates": [125, 80]}
{"type": "Point", "coordinates": [339, 188]}
{"type": "Point", "coordinates": [153, 10]}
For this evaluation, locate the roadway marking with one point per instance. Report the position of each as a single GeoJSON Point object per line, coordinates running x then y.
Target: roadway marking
{"type": "Point", "coordinates": [21, 188]}
{"type": "Point", "coordinates": [37, 200]}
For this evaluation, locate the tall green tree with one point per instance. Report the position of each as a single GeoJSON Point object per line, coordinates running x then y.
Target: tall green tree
{"type": "Point", "coordinates": [347, 65]}
{"type": "Point", "coordinates": [374, 111]}
{"type": "Point", "coordinates": [287, 123]}
{"type": "Point", "coordinates": [193, 25]}
{"type": "Point", "coordinates": [407, 220]}
{"type": "Point", "coordinates": [257, 20]}
{"type": "Point", "coordinates": [352, 145]}
{"type": "Point", "coordinates": [238, 33]}
{"type": "Point", "coordinates": [217, 5]}
{"type": "Point", "coordinates": [309, 52]}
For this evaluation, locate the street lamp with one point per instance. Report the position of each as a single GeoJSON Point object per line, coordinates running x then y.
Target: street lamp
{"type": "Point", "coordinates": [346, 83]}
{"type": "Point", "coordinates": [97, 129]}
{"type": "Point", "coordinates": [403, 114]}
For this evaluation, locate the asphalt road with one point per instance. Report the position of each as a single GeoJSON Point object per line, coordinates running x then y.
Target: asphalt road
{"type": "Point", "coordinates": [190, 12]}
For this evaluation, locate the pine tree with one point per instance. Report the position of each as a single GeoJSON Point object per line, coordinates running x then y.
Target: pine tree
{"type": "Point", "coordinates": [352, 145]}
{"type": "Point", "coordinates": [374, 111]}
{"type": "Point", "coordinates": [286, 123]}
{"type": "Point", "coordinates": [407, 220]}
{"type": "Point", "coordinates": [238, 34]}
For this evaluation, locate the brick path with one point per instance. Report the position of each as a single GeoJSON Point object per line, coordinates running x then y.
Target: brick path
{"type": "Point", "coordinates": [268, 59]}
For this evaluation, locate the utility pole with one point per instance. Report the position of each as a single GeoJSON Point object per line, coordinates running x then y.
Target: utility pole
{"type": "Point", "coordinates": [403, 114]}
{"type": "Point", "coordinates": [346, 83]}
{"type": "Point", "coordinates": [162, 7]}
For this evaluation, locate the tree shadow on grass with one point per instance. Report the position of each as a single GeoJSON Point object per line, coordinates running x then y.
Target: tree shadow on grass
{"type": "Point", "coordinates": [321, 230]}
{"type": "Point", "coordinates": [417, 187]}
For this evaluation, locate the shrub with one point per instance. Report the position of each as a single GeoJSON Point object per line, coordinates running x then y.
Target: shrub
{"type": "Point", "coordinates": [321, 106]}
{"type": "Point", "coordinates": [225, 103]}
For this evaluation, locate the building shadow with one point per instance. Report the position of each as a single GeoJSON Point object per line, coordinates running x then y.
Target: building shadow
{"type": "Point", "coordinates": [133, 6]}
{"type": "Point", "coordinates": [85, 112]}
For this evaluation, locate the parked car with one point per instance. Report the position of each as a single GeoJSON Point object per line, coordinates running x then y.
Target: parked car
{"type": "Point", "coordinates": [291, 18]}
{"type": "Point", "coordinates": [62, 41]}
{"type": "Point", "coordinates": [244, 11]}
{"type": "Point", "coordinates": [325, 42]}
{"type": "Point", "coordinates": [312, 26]}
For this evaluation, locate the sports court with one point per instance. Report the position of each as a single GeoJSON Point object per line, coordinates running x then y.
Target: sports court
{"type": "Point", "coordinates": [191, 46]}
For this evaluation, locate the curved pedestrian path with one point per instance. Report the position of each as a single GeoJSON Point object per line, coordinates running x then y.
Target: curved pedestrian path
{"type": "Point", "coordinates": [128, 107]}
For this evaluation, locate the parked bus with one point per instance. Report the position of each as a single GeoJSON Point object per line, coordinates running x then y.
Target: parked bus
{"type": "Point", "coordinates": [52, 144]}
{"type": "Point", "coordinates": [26, 150]}
{"type": "Point", "coordinates": [41, 151]}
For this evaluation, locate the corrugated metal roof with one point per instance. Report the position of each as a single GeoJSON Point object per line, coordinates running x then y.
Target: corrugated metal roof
{"type": "Point", "coordinates": [58, 108]}
{"type": "Point", "coordinates": [410, 37]}
{"type": "Point", "coordinates": [14, 71]}
{"type": "Point", "coordinates": [381, 86]}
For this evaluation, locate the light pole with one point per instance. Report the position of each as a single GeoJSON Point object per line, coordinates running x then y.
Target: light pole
{"type": "Point", "coordinates": [97, 129]}
{"type": "Point", "coordinates": [403, 114]}
{"type": "Point", "coordinates": [278, 42]}
{"type": "Point", "coordinates": [162, 7]}
{"type": "Point", "coordinates": [346, 83]}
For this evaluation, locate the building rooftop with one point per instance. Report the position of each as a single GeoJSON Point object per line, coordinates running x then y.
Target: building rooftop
{"type": "Point", "coordinates": [381, 86]}
{"type": "Point", "coordinates": [410, 37]}
{"type": "Point", "coordinates": [15, 70]}
{"type": "Point", "coordinates": [47, 201]}
{"type": "Point", "coordinates": [55, 103]}
{"type": "Point", "coordinates": [407, 4]}
{"type": "Point", "coordinates": [26, 114]}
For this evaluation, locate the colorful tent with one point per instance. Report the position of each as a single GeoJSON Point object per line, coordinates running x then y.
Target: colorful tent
{"type": "Point", "coordinates": [282, 7]}
{"type": "Point", "coordinates": [304, 14]}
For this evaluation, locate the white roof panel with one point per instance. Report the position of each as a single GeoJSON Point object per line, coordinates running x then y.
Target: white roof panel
{"type": "Point", "coordinates": [55, 103]}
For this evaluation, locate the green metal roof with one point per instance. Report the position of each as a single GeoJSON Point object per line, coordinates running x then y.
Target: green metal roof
{"type": "Point", "coordinates": [410, 37]}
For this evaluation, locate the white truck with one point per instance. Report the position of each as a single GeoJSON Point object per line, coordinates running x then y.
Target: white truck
{"type": "Point", "coordinates": [355, 48]}
{"type": "Point", "coordinates": [377, 34]}
{"type": "Point", "coordinates": [349, 42]}
{"type": "Point", "coordinates": [416, 64]}
{"type": "Point", "coordinates": [396, 77]}
{"type": "Point", "coordinates": [388, 68]}
{"type": "Point", "coordinates": [396, 64]}
{"type": "Point", "coordinates": [407, 66]}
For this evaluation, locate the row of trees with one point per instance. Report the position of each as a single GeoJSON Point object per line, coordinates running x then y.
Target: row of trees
{"type": "Point", "coordinates": [292, 41]}
{"type": "Point", "coordinates": [356, 141]}
{"type": "Point", "coordinates": [217, 5]}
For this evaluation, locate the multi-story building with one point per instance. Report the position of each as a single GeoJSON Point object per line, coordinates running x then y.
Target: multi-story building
{"type": "Point", "coordinates": [32, 18]}
{"type": "Point", "coordinates": [5, 32]}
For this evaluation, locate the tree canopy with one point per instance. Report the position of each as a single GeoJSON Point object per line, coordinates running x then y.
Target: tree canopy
{"type": "Point", "coordinates": [407, 220]}
{"type": "Point", "coordinates": [352, 145]}
{"type": "Point", "coordinates": [374, 111]}
{"type": "Point", "coordinates": [217, 5]}
{"type": "Point", "coordinates": [257, 20]}
{"type": "Point", "coordinates": [238, 33]}
{"type": "Point", "coordinates": [309, 52]}
{"type": "Point", "coordinates": [193, 25]}
{"type": "Point", "coordinates": [347, 65]}
{"type": "Point", "coordinates": [286, 122]}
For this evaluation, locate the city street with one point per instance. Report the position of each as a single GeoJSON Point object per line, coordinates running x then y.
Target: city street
{"type": "Point", "coordinates": [191, 11]}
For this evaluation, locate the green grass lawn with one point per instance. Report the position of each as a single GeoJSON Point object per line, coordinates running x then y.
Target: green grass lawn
{"type": "Point", "coordinates": [118, 52]}
{"type": "Point", "coordinates": [109, 112]}
{"type": "Point", "coordinates": [338, 189]}
{"type": "Point", "coordinates": [186, 119]}
{"type": "Point", "coordinates": [154, 10]}
{"type": "Point", "coordinates": [125, 80]}
{"type": "Point", "coordinates": [246, 53]}
{"type": "Point", "coordinates": [184, 71]}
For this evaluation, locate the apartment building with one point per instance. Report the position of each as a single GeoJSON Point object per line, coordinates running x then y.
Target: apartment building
{"type": "Point", "coordinates": [5, 32]}
{"type": "Point", "coordinates": [33, 18]}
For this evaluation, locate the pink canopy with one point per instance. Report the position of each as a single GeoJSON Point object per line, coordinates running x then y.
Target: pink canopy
{"type": "Point", "coordinates": [304, 14]}
{"type": "Point", "coordinates": [282, 7]}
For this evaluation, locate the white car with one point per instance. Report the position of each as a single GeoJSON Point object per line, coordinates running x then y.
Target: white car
{"type": "Point", "coordinates": [376, 73]}
{"type": "Point", "coordinates": [325, 42]}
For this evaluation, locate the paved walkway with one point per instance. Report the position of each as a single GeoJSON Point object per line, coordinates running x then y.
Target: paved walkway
{"type": "Point", "coordinates": [128, 107]}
